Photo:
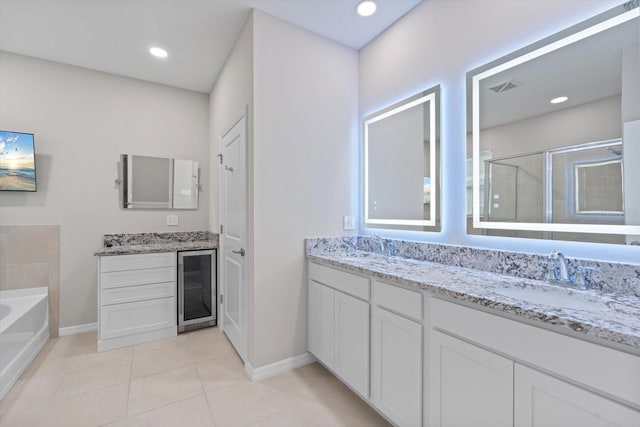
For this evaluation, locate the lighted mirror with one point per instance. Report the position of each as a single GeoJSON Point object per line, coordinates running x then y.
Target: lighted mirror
{"type": "Point", "coordinates": [555, 136]}
{"type": "Point", "coordinates": [158, 183]}
{"type": "Point", "coordinates": [401, 167]}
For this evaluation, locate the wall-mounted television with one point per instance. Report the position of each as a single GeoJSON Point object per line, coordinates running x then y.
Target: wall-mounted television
{"type": "Point", "coordinates": [17, 161]}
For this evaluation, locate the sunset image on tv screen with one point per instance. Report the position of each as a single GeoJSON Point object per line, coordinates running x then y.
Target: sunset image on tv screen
{"type": "Point", "coordinates": [17, 162]}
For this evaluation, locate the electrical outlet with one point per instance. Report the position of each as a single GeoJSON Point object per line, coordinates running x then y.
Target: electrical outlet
{"type": "Point", "coordinates": [172, 220]}
{"type": "Point", "coordinates": [348, 222]}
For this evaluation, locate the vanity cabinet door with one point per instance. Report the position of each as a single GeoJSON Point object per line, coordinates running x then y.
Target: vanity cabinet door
{"type": "Point", "coordinates": [469, 386]}
{"type": "Point", "coordinates": [321, 322]}
{"type": "Point", "coordinates": [352, 342]}
{"type": "Point", "coordinates": [396, 362]}
{"type": "Point", "coordinates": [544, 401]}
{"type": "Point", "coordinates": [132, 318]}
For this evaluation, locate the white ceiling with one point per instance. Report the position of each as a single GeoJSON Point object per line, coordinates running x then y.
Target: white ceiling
{"type": "Point", "coordinates": [114, 35]}
{"type": "Point", "coordinates": [585, 71]}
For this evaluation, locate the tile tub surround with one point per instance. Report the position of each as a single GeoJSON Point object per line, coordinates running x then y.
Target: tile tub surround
{"type": "Point", "coordinates": [618, 325]}
{"type": "Point", "coordinates": [603, 276]}
{"type": "Point", "coordinates": [144, 243]}
{"type": "Point", "coordinates": [29, 258]}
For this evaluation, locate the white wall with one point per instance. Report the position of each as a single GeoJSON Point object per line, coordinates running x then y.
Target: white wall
{"type": "Point", "coordinates": [304, 154]}
{"type": "Point", "coordinates": [82, 121]}
{"type": "Point", "coordinates": [232, 92]}
{"type": "Point", "coordinates": [437, 43]}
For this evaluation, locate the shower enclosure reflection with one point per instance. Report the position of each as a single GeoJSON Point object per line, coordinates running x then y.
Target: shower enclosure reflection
{"type": "Point", "coordinates": [581, 183]}
{"type": "Point", "coordinates": [555, 136]}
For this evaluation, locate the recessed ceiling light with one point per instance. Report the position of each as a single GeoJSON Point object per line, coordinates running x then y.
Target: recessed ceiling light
{"type": "Point", "coordinates": [158, 52]}
{"type": "Point", "coordinates": [366, 8]}
{"type": "Point", "coordinates": [559, 100]}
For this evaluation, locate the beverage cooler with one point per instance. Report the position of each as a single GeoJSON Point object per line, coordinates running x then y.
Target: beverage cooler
{"type": "Point", "coordinates": [197, 289]}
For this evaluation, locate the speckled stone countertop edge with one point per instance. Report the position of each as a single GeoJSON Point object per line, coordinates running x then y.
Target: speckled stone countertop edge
{"type": "Point", "coordinates": [157, 248]}
{"type": "Point", "coordinates": [615, 327]}
{"type": "Point", "coordinates": [150, 238]}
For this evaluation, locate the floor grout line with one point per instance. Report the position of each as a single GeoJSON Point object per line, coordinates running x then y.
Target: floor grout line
{"type": "Point", "coordinates": [204, 392]}
{"type": "Point", "coordinates": [126, 411]}
{"type": "Point", "coordinates": [164, 406]}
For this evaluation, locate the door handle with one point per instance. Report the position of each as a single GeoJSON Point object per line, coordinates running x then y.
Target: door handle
{"type": "Point", "coordinates": [241, 252]}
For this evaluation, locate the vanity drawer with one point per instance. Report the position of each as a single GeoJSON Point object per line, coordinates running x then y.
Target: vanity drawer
{"type": "Point", "coordinates": [137, 317]}
{"type": "Point", "coordinates": [119, 279]}
{"type": "Point", "coordinates": [348, 283]}
{"type": "Point", "coordinates": [137, 262]}
{"type": "Point", "coordinates": [394, 298]}
{"type": "Point", "coordinates": [137, 293]}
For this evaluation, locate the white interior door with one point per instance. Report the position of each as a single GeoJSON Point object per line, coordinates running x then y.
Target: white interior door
{"type": "Point", "coordinates": [233, 236]}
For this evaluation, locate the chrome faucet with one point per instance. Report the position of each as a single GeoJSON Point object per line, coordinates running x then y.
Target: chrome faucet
{"type": "Point", "coordinates": [377, 240]}
{"type": "Point", "coordinates": [558, 272]}
{"type": "Point", "coordinates": [385, 247]}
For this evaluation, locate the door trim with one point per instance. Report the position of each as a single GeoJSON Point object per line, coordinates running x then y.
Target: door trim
{"type": "Point", "coordinates": [242, 114]}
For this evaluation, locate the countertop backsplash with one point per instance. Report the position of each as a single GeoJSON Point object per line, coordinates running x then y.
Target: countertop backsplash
{"type": "Point", "coordinates": [599, 275]}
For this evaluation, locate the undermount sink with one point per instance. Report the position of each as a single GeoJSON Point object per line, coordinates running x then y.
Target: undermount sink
{"type": "Point", "coordinates": [556, 298]}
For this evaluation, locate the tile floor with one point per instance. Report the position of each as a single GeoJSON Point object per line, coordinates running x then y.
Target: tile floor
{"type": "Point", "coordinates": [195, 379]}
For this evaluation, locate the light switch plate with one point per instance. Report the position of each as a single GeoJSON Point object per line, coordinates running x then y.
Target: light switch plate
{"type": "Point", "coordinates": [172, 220]}
{"type": "Point", "coordinates": [348, 222]}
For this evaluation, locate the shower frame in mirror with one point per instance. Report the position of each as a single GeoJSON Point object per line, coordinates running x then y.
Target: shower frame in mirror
{"type": "Point", "coordinates": [431, 99]}
{"type": "Point", "coordinates": [609, 19]}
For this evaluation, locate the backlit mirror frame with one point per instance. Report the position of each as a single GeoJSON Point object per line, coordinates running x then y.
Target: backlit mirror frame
{"type": "Point", "coordinates": [431, 97]}
{"type": "Point", "coordinates": [616, 16]}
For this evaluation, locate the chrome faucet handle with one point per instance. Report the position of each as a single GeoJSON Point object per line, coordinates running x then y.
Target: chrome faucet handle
{"type": "Point", "coordinates": [581, 276]}
{"type": "Point", "coordinates": [579, 280]}
{"type": "Point", "coordinates": [552, 266]}
{"type": "Point", "coordinates": [352, 246]}
{"type": "Point", "coordinates": [391, 248]}
{"type": "Point", "coordinates": [377, 240]}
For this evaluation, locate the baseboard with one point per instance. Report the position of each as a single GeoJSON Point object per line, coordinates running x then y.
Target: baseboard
{"type": "Point", "coordinates": [78, 329]}
{"type": "Point", "coordinates": [279, 367]}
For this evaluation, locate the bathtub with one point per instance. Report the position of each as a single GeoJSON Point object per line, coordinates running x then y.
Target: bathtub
{"type": "Point", "coordinates": [24, 330]}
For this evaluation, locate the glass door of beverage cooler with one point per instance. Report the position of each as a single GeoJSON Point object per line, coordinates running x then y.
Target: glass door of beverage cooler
{"type": "Point", "coordinates": [196, 289]}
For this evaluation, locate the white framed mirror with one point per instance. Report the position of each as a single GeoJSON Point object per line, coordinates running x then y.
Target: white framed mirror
{"type": "Point", "coordinates": [401, 164]}
{"type": "Point", "coordinates": [158, 183]}
{"type": "Point", "coordinates": [554, 135]}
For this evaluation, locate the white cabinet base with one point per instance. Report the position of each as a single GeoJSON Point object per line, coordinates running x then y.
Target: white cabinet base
{"type": "Point", "coordinates": [396, 367]}
{"type": "Point", "coordinates": [136, 299]}
{"type": "Point", "coordinates": [544, 401]}
{"type": "Point", "coordinates": [321, 334]}
{"type": "Point", "coordinates": [469, 385]}
{"type": "Point", "coordinates": [136, 317]}
{"type": "Point", "coordinates": [352, 342]}
{"type": "Point", "coordinates": [128, 340]}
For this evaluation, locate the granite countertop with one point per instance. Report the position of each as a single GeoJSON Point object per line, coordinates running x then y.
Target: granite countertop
{"type": "Point", "coordinates": [156, 247]}
{"type": "Point", "coordinates": [147, 243]}
{"type": "Point", "coordinates": [613, 318]}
